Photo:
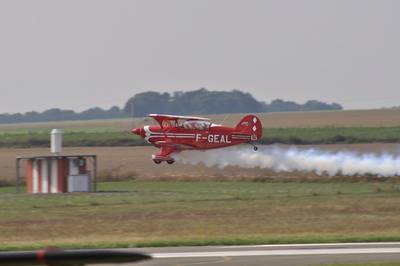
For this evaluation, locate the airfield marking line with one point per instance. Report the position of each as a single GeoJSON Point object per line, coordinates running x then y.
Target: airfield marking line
{"type": "Point", "coordinates": [224, 259]}
{"type": "Point", "coordinates": [277, 252]}
{"type": "Point", "coordinates": [310, 245]}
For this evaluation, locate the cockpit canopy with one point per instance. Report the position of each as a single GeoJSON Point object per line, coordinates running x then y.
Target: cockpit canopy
{"type": "Point", "coordinates": [187, 124]}
{"type": "Point", "coordinates": [196, 124]}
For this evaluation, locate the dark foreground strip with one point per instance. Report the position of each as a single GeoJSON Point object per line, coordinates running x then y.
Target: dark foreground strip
{"type": "Point", "coordinates": [69, 257]}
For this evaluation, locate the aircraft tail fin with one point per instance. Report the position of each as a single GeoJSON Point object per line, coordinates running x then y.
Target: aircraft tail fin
{"type": "Point", "coordinates": [251, 125]}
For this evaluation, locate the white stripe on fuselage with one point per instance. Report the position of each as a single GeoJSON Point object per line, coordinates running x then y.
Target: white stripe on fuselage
{"type": "Point", "coordinates": [179, 134]}
{"type": "Point", "coordinates": [151, 134]}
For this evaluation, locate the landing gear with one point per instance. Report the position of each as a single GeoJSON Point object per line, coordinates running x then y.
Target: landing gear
{"type": "Point", "coordinates": [158, 161]}
{"type": "Point", "coordinates": [255, 148]}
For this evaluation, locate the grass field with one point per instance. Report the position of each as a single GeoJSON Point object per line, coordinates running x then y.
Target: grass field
{"type": "Point", "coordinates": [202, 213]}
{"type": "Point", "coordinates": [286, 128]}
{"type": "Point", "coordinates": [127, 163]}
{"type": "Point", "coordinates": [70, 139]}
{"type": "Point", "coordinates": [325, 135]}
{"type": "Point", "coordinates": [365, 264]}
{"type": "Point", "coordinates": [352, 118]}
{"type": "Point", "coordinates": [196, 205]}
{"type": "Point", "coordinates": [331, 135]}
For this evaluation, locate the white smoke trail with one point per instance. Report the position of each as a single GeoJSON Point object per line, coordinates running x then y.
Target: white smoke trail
{"type": "Point", "coordinates": [293, 159]}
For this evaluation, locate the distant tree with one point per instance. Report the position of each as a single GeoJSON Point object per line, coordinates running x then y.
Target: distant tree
{"type": "Point", "coordinates": [279, 105]}
{"type": "Point", "coordinates": [147, 102]}
{"type": "Point", "coordinates": [314, 105]}
{"type": "Point", "coordinates": [98, 113]}
{"type": "Point", "coordinates": [201, 101]}
{"type": "Point", "coordinates": [56, 114]}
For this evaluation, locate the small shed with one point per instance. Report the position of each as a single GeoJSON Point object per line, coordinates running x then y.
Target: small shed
{"type": "Point", "coordinates": [58, 173]}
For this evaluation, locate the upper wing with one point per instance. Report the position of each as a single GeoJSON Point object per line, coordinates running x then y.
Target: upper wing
{"type": "Point", "coordinates": [160, 118]}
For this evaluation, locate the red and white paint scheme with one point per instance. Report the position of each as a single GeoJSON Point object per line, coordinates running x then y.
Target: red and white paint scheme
{"type": "Point", "coordinates": [50, 175]}
{"type": "Point", "coordinates": [178, 133]}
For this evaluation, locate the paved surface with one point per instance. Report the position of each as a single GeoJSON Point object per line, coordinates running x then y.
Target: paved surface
{"type": "Point", "coordinates": [277, 255]}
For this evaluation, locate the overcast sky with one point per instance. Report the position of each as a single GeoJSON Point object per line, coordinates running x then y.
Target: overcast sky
{"type": "Point", "coordinates": [78, 54]}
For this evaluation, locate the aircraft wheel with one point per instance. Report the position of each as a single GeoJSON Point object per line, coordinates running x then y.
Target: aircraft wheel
{"type": "Point", "coordinates": [157, 161]}
{"type": "Point", "coordinates": [255, 148]}
{"type": "Point", "coordinates": [170, 161]}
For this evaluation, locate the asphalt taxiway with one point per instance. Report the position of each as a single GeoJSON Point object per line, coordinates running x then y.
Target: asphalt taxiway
{"type": "Point", "coordinates": [277, 255]}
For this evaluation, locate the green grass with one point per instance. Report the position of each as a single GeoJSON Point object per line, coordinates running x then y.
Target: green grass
{"type": "Point", "coordinates": [100, 136]}
{"type": "Point", "coordinates": [9, 189]}
{"type": "Point", "coordinates": [87, 126]}
{"type": "Point", "coordinates": [137, 214]}
{"type": "Point", "coordinates": [70, 139]}
{"type": "Point", "coordinates": [328, 135]}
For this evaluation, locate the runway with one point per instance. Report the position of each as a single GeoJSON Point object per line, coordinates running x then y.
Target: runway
{"type": "Point", "coordinates": [277, 255]}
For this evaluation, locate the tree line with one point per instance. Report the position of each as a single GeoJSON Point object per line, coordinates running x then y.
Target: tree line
{"type": "Point", "coordinates": [201, 102]}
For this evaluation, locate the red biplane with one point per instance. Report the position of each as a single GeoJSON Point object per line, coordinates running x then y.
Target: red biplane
{"type": "Point", "coordinates": [178, 133]}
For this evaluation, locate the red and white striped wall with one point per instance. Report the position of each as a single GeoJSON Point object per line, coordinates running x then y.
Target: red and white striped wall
{"type": "Point", "coordinates": [50, 175]}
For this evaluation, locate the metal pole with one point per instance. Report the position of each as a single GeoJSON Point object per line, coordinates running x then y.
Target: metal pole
{"type": "Point", "coordinates": [95, 173]}
{"type": "Point", "coordinates": [17, 175]}
{"type": "Point", "coordinates": [94, 157]}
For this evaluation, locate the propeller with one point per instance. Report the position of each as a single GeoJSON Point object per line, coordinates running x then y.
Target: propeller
{"type": "Point", "coordinates": [69, 257]}
{"type": "Point", "coordinates": [127, 125]}
{"type": "Point", "coordinates": [141, 122]}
